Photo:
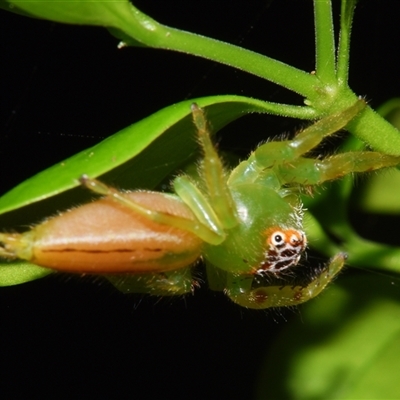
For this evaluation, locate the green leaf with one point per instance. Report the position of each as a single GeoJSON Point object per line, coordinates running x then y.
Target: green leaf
{"type": "Point", "coordinates": [88, 12]}
{"type": "Point", "coordinates": [125, 40]}
{"type": "Point", "coordinates": [344, 346]}
{"type": "Point", "coordinates": [15, 273]}
{"type": "Point", "coordinates": [167, 136]}
{"type": "Point", "coordinates": [377, 194]}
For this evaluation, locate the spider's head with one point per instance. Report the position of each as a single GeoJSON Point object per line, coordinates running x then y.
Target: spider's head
{"type": "Point", "coordinates": [284, 247]}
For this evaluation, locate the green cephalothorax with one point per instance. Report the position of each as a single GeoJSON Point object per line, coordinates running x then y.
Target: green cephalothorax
{"type": "Point", "coordinates": [261, 212]}
{"type": "Point", "coordinates": [246, 224]}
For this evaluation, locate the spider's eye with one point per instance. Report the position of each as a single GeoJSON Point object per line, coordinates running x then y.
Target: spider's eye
{"type": "Point", "coordinates": [278, 238]}
{"type": "Point", "coordinates": [294, 240]}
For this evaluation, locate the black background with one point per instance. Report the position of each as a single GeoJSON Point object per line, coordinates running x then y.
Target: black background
{"type": "Point", "coordinates": [63, 88]}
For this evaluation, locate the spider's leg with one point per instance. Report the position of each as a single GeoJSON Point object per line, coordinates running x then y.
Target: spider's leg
{"type": "Point", "coordinates": [240, 289]}
{"type": "Point", "coordinates": [201, 208]}
{"type": "Point", "coordinates": [216, 210]}
{"type": "Point", "coordinates": [11, 245]}
{"type": "Point", "coordinates": [274, 153]}
{"type": "Point", "coordinates": [170, 283]}
{"type": "Point", "coordinates": [306, 171]}
{"type": "Point", "coordinates": [191, 225]}
{"type": "Point", "coordinates": [213, 173]}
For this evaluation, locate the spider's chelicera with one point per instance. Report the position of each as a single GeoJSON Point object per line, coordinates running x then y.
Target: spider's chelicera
{"type": "Point", "coordinates": [246, 224]}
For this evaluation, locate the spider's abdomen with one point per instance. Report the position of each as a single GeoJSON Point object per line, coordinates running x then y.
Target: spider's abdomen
{"type": "Point", "coordinates": [107, 237]}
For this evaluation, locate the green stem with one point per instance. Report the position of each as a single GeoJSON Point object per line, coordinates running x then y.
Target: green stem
{"type": "Point", "coordinates": [371, 128]}
{"type": "Point", "coordinates": [324, 42]}
{"type": "Point", "coordinates": [321, 91]}
{"type": "Point", "coordinates": [343, 56]}
{"type": "Point", "coordinates": [284, 110]}
{"type": "Point", "coordinates": [153, 34]}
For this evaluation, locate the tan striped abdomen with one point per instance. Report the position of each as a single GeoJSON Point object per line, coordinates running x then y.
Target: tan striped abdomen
{"type": "Point", "coordinates": [106, 237]}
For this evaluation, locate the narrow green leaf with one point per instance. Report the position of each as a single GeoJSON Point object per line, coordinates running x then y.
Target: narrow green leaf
{"type": "Point", "coordinates": [88, 12]}
{"type": "Point", "coordinates": [168, 135]}
{"type": "Point", "coordinates": [15, 273]}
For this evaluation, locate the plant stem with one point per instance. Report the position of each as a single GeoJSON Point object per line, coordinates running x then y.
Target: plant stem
{"type": "Point", "coordinates": [153, 34]}
{"type": "Point", "coordinates": [371, 128]}
{"type": "Point", "coordinates": [343, 54]}
{"type": "Point", "coordinates": [324, 42]}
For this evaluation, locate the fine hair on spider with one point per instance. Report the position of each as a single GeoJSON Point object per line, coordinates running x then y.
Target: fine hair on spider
{"type": "Point", "coordinates": [246, 223]}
